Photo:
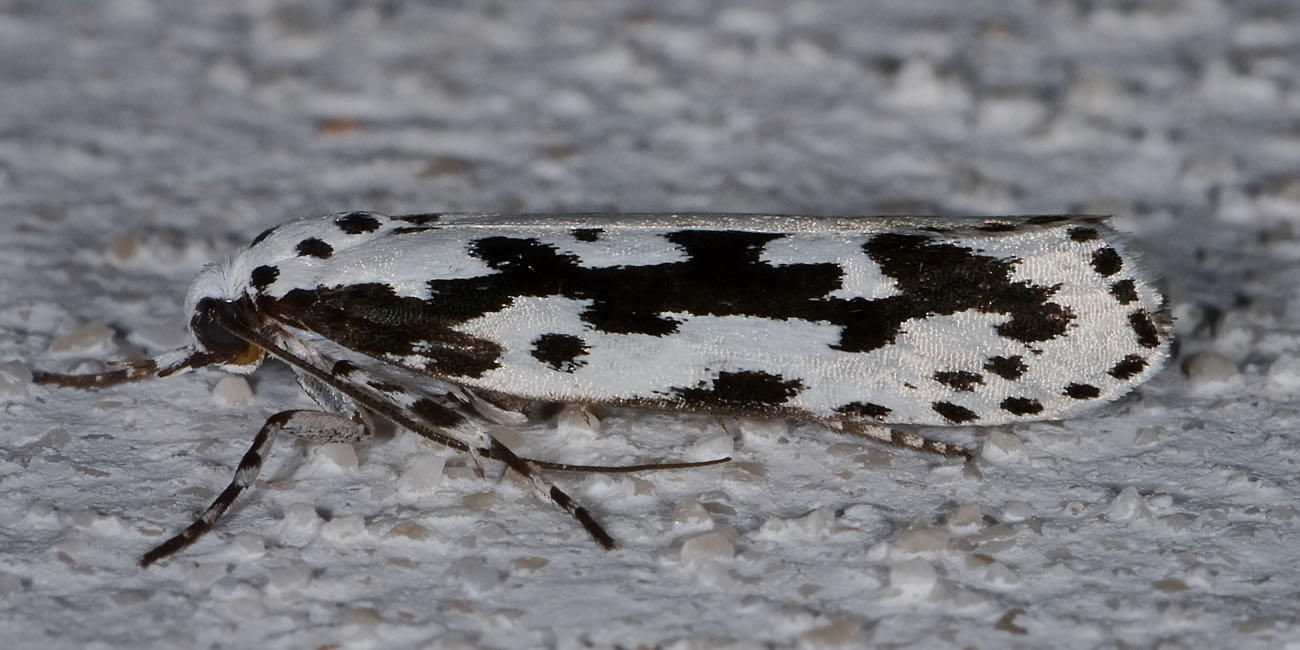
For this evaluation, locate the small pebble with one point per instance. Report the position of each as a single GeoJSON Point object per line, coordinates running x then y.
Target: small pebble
{"type": "Point", "coordinates": [299, 525]}
{"type": "Point", "coordinates": [479, 500]}
{"type": "Point", "coordinates": [232, 391]}
{"type": "Point", "coordinates": [1283, 373]}
{"type": "Point", "coordinates": [1146, 436]}
{"type": "Point", "coordinates": [577, 420]}
{"type": "Point", "coordinates": [409, 530]}
{"type": "Point", "coordinates": [339, 454]}
{"type": "Point", "coordinates": [343, 529]}
{"type": "Point", "coordinates": [1014, 511]}
{"type": "Point", "coordinates": [365, 617]}
{"type": "Point", "coordinates": [96, 337]}
{"type": "Point", "coordinates": [15, 378]}
{"type": "Point", "coordinates": [476, 576]}
{"type": "Point", "coordinates": [914, 578]}
{"type": "Point", "coordinates": [690, 512]}
{"type": "Point", "coordinates": [845, 632]}
{"type": "Point", "coordinates": [1211, 368]}
{"type": "Point", "coordinates": [967, 515]}
{"type": "Point", "coordinates": [713, 447]}
{"type": "Point", "coordinates": [712, 545]}
{"type": "Point", "coordinates": [1126, 506]}
{"type": "Point", "coordinates": [763, 429]}
{"type": "Point", "coordinates": [528, 564]}
{"type": "Point", "coordinates": [999, 445]}
{"type": "Point", "coordinates": [922, 539]}
{"type": "Point", "coordinates": [422, 474]}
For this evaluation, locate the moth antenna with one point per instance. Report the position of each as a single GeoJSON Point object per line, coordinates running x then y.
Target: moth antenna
{"type": "Point", "coordinates": [131, 371]}
{"type": "Point", "coordinates": [556, 496]}
{"type": "Point", "coordinates": [163, 365]}
{"type": "Point", "coordinates": [625, 469]}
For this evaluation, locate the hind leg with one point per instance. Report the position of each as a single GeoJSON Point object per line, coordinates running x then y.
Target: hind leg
{"type": "Point", "coordinates": [905, 439]}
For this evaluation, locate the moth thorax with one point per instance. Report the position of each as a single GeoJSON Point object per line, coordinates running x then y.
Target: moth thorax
{"type": "Point", "coordinates": [208, 329]}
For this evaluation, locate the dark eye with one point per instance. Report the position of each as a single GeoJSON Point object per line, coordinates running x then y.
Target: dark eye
{"type": "Point", "coordinates": [211, 335]}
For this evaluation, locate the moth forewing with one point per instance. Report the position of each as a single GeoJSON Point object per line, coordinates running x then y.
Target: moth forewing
{"type": "Point", "coordinates": [904, 320]}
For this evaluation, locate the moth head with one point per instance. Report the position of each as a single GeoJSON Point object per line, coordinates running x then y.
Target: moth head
{"type": "Point", "coordinates": [211, 327]}
{"type": "Point", "coordinates": [216, 297]}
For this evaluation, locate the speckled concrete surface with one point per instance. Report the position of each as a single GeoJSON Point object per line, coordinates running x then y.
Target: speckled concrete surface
{"type": "Point", "coordinates": [140, 139]}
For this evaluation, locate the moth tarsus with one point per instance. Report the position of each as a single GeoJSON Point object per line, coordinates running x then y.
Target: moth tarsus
{"type": "Point", "coordinates": [907, 440]}
{"type": "Point", "coordinates": [445, 324]}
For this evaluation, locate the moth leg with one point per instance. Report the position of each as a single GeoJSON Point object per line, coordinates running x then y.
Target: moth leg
{"type": "Point", "coordinates": [312, 425]}
{"type": "Point", "coordinates": [319, 427]}
{"type": "Point", "coordinates": [548, 491]}
{"type": "Point", "coordinates": [421, 415]}
{"type": "Point", "coordinates": [449, 413]}
{"type": "Point", "coordinates": [904, 439]}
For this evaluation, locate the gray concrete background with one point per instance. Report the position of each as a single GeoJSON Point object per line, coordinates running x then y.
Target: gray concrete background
{"type": "Point", "coordinates": [139, 140]}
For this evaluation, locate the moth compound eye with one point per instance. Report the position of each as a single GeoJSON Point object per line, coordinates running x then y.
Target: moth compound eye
{"type": "Point", "coordinates": [207, 328]}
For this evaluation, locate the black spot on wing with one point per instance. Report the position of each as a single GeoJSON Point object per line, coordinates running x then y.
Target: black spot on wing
{"type": "Point", "coordinates": [1082, 391]}
{"type": "Point", "coordinates": [939, 278]}
{"type": "Point", "coordinates": [409, 230]}
{"type": "Point", "coordinates": [1128, 367]}
{"type": "Point", "coordinates": [998, 226]}
{"type": "Point", "coordinates": [1082, 233]}
{"type": "Point", "coordinates": [528, 267]}
{"type": "Point", "coordinates": [959, 380]}
{"type": "Point", "coordinates": [1148, 336]}
{"type": "Point", "coordinates": [263, 235]}
{"type": "Point", "coordinates": [721, 275]}
{"type": "Point", "coordinates": [371, 319]}
{"type": "Point", "coordinates": [1008, 368]}
{"type": "Point", "coordinates": [357, 223]}
{"type": "Point", "coordinates": [1106, 262]}
{"type": "Point", "coordinates": [1125, 291]}
{"type": "Point", "coordinates": [561, 352]}
{"type": "Point", "coordinates": [530, 256]}
{"type": "Point", "coordinates": [745, 390]}
{"type": "Point", "coordinates": [954, 413]}
{"type": "Point", "coordinates": [1047, 220]}
{"type": "Point", "coordinates": [1021, 406]}
{"type": "Point", "coordinates": [587, 234]}
{"type": "Point", "coordinates": [420, 219]}
{"type": "Point", "coordinates": [864, 410]}
{"type": "Point", "coordinates": [263, 277]}
{"type": "Point", "coordinates": [313, 247]}
{"type": "Point", "coordinates": [631, 321]}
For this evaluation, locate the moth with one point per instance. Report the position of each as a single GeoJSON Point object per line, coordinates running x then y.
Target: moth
{"type": "Point", "coordinates": [447, 323]}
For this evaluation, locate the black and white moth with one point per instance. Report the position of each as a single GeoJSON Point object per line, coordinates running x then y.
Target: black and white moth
{"type": "Point", "coordinates": [444, 324]}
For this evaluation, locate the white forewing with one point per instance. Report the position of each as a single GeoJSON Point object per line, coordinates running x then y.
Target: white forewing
{"type": "Point", "coordinates": [915, 320]}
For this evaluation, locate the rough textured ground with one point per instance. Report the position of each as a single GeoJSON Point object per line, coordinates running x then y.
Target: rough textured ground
{"type": "Point", "coordinates": [139, 140]}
